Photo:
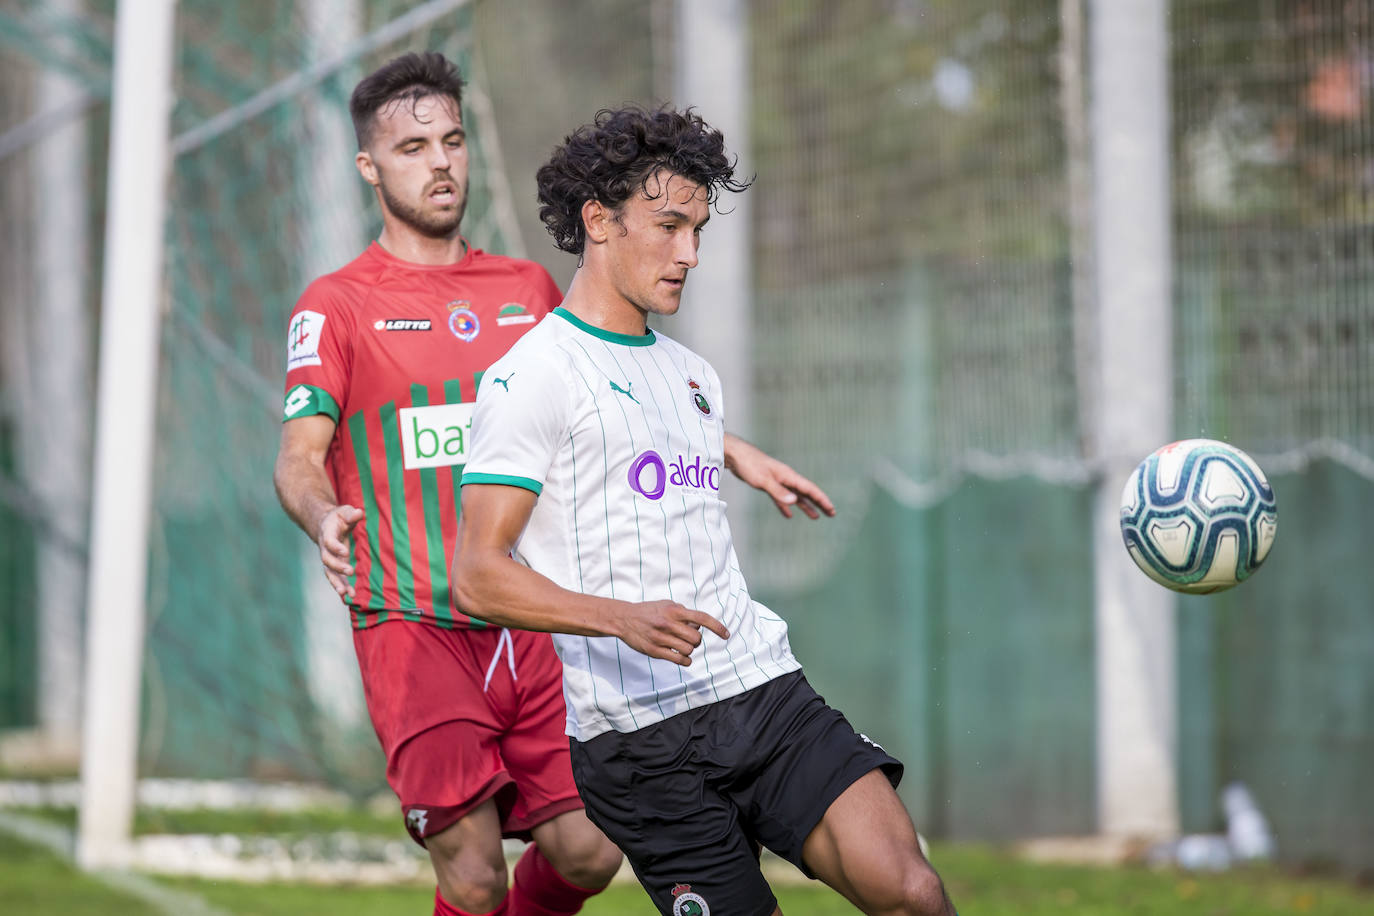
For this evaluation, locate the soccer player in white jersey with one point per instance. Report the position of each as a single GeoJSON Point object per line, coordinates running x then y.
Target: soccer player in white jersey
{"type": "Point", "coordinates": [591, 509]}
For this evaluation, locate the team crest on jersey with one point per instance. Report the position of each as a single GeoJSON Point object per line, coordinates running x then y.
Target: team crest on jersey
{"type": "Point", "coordinates": [686, 902]}
{"type": "Point", "coordinates": [303, 339]}
{"type": "Point", "coordinates": [699, 398]}
{"type": "Point", "coordinates": [513, 313]}
{"type": "Point", "coordinates": [462, 320]}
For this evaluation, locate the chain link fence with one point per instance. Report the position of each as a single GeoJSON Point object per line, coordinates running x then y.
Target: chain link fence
{"type": "Point", "coordinates": [918, 302]}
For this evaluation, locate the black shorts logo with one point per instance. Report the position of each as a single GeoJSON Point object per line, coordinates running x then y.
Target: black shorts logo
{"type": "Point", "coordinates": [687, 903]}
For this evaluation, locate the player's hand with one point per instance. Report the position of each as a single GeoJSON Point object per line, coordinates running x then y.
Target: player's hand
{"type": "Point", "coordinates": [335, 540]}
{"type": "Point", "coordinates": [667, 630]}
{"type": "Point", "coordinates": [776, 478]}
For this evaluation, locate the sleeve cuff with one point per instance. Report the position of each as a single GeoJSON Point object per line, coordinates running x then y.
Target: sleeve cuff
{"type": "Point", "coordinates": [307, 401]}
{"type": "Point", "coordinates": [506, 480]}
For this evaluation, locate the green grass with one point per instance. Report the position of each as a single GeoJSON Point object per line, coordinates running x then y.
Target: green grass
{"type": "Point", "coordinates": [981, 880]}
{"type": "Point", "coordinates": [986, 881]}
{"type": "Point", "coordinates": [32, 880]}
{"type": "Point", "coordinates": [245, 821]}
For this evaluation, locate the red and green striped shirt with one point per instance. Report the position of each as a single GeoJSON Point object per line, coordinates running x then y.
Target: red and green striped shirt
{"type": "Point", "coordinates": [393, 352]}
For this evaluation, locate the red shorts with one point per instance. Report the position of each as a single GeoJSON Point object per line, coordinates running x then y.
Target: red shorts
{"type": "Point", "coordinates": [468, 715]}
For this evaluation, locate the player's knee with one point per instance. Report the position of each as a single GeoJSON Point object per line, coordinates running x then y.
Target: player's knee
{"type": "Point", "coordinates": [471, 884]}
{"type": "Point", "coordinates": [594, 863]}
{"type": "Point", "coordinates": [923, 894]}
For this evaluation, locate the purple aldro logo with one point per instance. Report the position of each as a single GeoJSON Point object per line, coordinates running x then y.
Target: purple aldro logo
{"type": "Point", "coordinates": [650, 475]}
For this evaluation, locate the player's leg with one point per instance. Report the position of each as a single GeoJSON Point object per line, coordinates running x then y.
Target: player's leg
{"type": "Point", "coordinates": [866, 848]}
{"type": "Point", "coordinates": [569, 861]}
{"type": "Point", "coordinates": [570, 858]}
{"type": "Point", "coordinates": [654, 793]}
{"type": "Point", "coordinates": [824, 800]}
{"type": "Point", "coordinates": [577, 848]}
{"type": "Point", "coordinates": [470, 864]}
{"type": "Point", "coordinates": [443, 755]}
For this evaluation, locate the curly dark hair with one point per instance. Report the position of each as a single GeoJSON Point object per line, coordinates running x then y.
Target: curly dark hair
{"type": "Point", "coordinates": [407, 78]}
{"type": "Point", "coordinates": [614, 157]}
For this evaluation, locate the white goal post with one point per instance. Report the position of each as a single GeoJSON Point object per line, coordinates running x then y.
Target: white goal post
{"type": "Point", "coordinates": [131, 304]}
{"type": "Point", "coordinates": [142, 150]}
{"type": "Point", "coordinates": [1137, 793]}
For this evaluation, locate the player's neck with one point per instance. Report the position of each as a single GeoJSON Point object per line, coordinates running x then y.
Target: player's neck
{"type": "Point", "coordinates": [422, 249]}
{"type": "Point", "coordinates": [600, 306]}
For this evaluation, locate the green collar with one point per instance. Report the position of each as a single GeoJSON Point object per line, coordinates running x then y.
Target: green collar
{"type": "Point", "coordinates": [629, 340]}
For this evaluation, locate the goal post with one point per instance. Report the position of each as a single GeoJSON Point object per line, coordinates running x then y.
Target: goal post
{"type": "Point", "coordinates": [227, 181]}
{"type": "Point", "coordinates": [131, 302]}
{"type": "Point", "coordinates": [57, 443]}
{"type": "Point", "coordinates": [1137, 793]}
{"type": "Point", "coordinates": [717, 317]}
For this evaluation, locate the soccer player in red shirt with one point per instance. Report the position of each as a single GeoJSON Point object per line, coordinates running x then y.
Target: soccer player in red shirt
{"type": "Point", "coordinates": [383, 360]}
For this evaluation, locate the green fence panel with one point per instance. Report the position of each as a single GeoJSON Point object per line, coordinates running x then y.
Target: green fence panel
{"type": "Point", "coordinates": [1277, 677]}
{"type": "Point", "coordinates": [960, 637]}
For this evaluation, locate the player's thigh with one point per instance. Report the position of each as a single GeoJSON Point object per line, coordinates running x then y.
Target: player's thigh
{"type": "Point", "coordinates": [446, 772]}
{"type": "Point", "coordinates": [534, 744]}
{"type": "Point", "coordinates": [442, 746]}
{"type": "Point", "coordinates": [685, 841]}
{"type": "Point", "coordinates": [865, 847]}
{"type": "Point", "coordinates": [805, 754]}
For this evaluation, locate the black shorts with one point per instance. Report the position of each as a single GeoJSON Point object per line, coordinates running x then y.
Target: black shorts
{"type": "Point", "coordinates": [691, 799]}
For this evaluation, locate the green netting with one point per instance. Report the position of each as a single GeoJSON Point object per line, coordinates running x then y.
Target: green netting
{"type": "Point", "coordinates": [253, 221]}
{"type": "Point", "coordinates": [919, 349]}
{"type": "Point", "coordinates": [18, 640]}
{"type": "Point", "coordinates": [260, 205]}
{"type": "Point", "coordinates": [912, 246]}
{"type": "Point", "coordinates": [1274, 687]}
{"type": "Point", "coordinates": [1274, 345]}
{"type": "Point", "coordinates": [1274, 222]}
{"type": "Point", "coordinates": [956, 642]}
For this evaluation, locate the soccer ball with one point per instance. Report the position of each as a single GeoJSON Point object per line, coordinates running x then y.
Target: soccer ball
{"type": "Point", "coordinates": [1198, 516]}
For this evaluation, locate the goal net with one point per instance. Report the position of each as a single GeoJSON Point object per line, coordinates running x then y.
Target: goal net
{"type": "Point", "coordinates": [924, 346]}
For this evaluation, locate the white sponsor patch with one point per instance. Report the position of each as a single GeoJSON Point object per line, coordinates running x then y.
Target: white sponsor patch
{"type": "Point", "coordinates": [515, 319]}
{"type": "Point", "coordinates": [303, 339]}
{"type": "Point", "coordinates": [436, 436]}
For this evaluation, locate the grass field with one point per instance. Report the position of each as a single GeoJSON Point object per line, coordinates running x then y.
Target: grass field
{"type": "Point", "coordinates": [981, 880]}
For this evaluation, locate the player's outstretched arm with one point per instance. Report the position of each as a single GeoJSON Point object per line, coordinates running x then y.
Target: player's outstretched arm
{"type": "Point", "coordinates": [307, 495]}
{"type": "Point", "coordinates": [787, 488]}
{"type": "Point", "coordinates": [489, 584]}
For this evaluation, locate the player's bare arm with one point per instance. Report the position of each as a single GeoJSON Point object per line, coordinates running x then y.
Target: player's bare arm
{"type": "Point", "coordinates": [488, 583]}
{"type": "Point", "coordinates": [307, 495]}
{"type": "Point", "coordinates": [757, 468]}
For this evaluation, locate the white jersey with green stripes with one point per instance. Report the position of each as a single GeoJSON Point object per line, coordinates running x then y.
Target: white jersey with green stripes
{"type": "Point", "coordinates": [622, 439]}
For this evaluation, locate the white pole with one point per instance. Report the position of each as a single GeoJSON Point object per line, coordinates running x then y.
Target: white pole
{"type": "Point", "coordinates": [56, 443]}
{"type": "Point", "coordinates": [1136, 689]}
{"type": "Point", "coordinates": [131, 300]}
{"type": "Point", "coordinates": [717, 311]}
{"type": "Point", "coordinates": [334, 235]}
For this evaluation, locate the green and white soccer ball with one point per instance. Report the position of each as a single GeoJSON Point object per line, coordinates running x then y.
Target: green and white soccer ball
{"type": "Point", "coordinates": [1198, 516]}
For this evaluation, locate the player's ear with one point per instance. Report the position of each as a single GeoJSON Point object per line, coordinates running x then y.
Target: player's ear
{"type": "Point", "coordinates": [366, 167]}
{"type": "Point", "coordinates": [596, 220]}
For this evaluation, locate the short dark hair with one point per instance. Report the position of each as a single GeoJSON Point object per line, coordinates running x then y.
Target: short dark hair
{"type": "Point", "coordinates": [613, 158]}
{"type": "Point", "coordinates": [409, 77]}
